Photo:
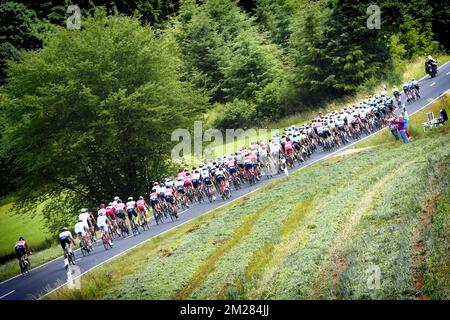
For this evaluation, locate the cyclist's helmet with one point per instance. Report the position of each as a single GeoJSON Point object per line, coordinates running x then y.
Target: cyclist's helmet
{"type": "Point", "coordinates": [64, 229]}
{"type": "Point", "coordinates": [186, 169]}
{"type": "Point", "coordinates": [119, 201]}
{"type": "Point", "coordinates": [130, 198]}
{"type": "Point", "coordinates": [110, 204]}
{"type": "Point", "coordinates": [141, 198]}
{"type": "Point", "coordinates": [21, 239]}
{"type": "Point", "coordinates": [116, 198]}
{"type": "Point", "coordinates": [83, 210]}
{"type": "Point", "coordinates": [154, 190]}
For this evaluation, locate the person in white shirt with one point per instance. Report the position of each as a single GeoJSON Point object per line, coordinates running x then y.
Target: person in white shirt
{"type": "Point", "coordinates": [102, 223]}
{"type": "Point", "coordinates": [65, 238]}
{"type": "Point", "coordinates": [81, 231]}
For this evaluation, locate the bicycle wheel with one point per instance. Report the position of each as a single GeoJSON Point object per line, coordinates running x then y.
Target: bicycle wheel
{"type": "Point", "coordinates": [27, 266]}
{"type": "Point", "coordinates": [83, 250]}
{"type": "Point", "coordinates": [105, 243]}
{"type": "Point", "coordinates": [172, 215]}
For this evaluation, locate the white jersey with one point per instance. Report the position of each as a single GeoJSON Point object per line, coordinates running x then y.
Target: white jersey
{"type": "Point", "coordinates": [80, 228]}
{"type": "Point", "coordinates": [84, 216]}
{"type": "Point", "coordinates": [131, 205]}
{"type": "Point", "coordinates": [205, 174]}
{"type": "Point", "coordinates": [102, 220]}
{"type": "Point", "coordinates": [179, 184]}
{"type": "Point", "coordinates": [160, 189]}
{"type": "Point", "coordinates": [196, 176]}
{"type": "Point", "coordinates": [169, 184]}
{"type": "Point", "coordinates": [65, 235]}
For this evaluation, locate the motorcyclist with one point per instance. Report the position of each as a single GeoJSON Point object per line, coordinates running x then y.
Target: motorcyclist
{"type": "Point", "coordinates": [430, 65]}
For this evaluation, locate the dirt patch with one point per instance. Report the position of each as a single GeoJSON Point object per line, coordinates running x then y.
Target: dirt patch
{"type": "Point", "coordinates": [165, 253]}
{"type": "Point", "coordinates": [340, 264]}
{"type": "Point", "coordinates": [193, 228]}
{"type": "Point", "coordinates": [350, 151]}
{"type": "Point", "coordinates": [426, 215]}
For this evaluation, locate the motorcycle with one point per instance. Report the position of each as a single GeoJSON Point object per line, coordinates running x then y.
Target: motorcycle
{"type": "Point", "coordinates": [432, 69]}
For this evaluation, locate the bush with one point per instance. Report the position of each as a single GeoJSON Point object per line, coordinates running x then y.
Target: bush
{"type": "Point", "coordinates": [237, 114]}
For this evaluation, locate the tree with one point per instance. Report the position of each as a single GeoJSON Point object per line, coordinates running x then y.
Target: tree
{"type": "Point", "coordinates": [154, 12]}
{"type": "Point", "coordinates": [307, 48]}
{"type": "Point", "coordinates": [90, 115]}
{"type": "Point", "coordinates": [275, 16]}
{"type": "Point", "coordinates": [19, 29]}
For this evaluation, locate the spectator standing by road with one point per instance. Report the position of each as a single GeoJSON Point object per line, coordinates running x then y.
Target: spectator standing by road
{"type": "Point", "coordinates": [390, 118]}
{"type": "Point", "coordinates": [401, 128]}
{"type": "Point", "coordinates": [406, 121]}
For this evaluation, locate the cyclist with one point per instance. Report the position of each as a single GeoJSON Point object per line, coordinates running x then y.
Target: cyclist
{"type": "Point", "coordinates": [81, 231]}
{"type": "Point", "coordinates": [120, 213]}
{"type": "Point", "coordinates": [221, 178]}
{"type": "Point", "coordinates": [196, 178]}
{"type": "Point", "coordinates": [170, 199]}
{"type": "Point", "coordinates": [179, 185]}
{"type": "Point", "coordinates": [66, 239]}
{"type": "Point", "coordinates": [86, 217]}
{"type": "Point", "coordinates": [112, 217]}
{"type": "Point", "coordinates": [154, 201]}
{"type": "Point", "coordinates": [188, 186]}
{"type": "Point", "coordinates": [131, 209]}
{"type": "Point", "coordinates": [103, 222]}
{"type": "Point", "coordinates": [141, 206]}
{"type": "Point", "coordinates": [206, 178]}
{"type": "Point", "coordinates": [21, 248]}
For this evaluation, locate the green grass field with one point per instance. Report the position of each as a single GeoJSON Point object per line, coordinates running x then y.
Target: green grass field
{"type": "Point", "coordinates": [368, 225]}
{"type": "Point", "coordinates": [13, 226]}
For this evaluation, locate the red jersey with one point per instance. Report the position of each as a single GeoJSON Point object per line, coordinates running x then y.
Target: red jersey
{"type": "Point", "coordinates": [141, 202]}
{"type": "Point", "coordinates": [153, 196]}
{"type": "Point", "coordinates": [180, 175]}
{"type": "Point", "coordinates": [248, 159]}
{"type": "Point", "coordinates": [288, 145]}
{"type": "Point", "coordinates": [230, 164]}
{"type": "Point", "coordinates": [110, 213]}
{"type": "Point", "coordinates": [168, 192]}
{"type": "Point", "coordinates": [21, 244]}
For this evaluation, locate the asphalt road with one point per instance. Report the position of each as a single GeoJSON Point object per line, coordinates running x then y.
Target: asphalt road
{"type": "Point", "coordinates": [51, 275]}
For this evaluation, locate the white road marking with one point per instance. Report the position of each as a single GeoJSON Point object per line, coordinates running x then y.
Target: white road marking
{"type": "Point", "coordinates": [7, 294]}
{"type": "Point", "coordinates": [448, 73]}
{"type": "Point", "coordinates": [432, 84]}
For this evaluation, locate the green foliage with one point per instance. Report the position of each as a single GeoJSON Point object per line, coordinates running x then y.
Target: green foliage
{"type": "Point", "coordinates": [237, 114]}
{"type": "Point", "coordinates": [275, 16]}
{"type": "Point", "coordinates": [86, 115]}
{"type": "Point", "coordinates": [225, 54]}
{"type": "Point", "coordinates": [19, 29]}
